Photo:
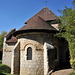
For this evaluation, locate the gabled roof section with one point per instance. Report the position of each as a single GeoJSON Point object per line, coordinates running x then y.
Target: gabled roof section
{"type": "Point", "coordinates": [45, 14]}
{"type": "Point", "coordinates": [9, 34]}
{"type": "Point", "coordinates": [37, 23]}
{"type": "Point", "coordinates": [12, 40]}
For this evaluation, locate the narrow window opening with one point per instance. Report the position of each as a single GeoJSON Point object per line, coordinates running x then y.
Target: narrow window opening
{"type": "Point", "coordinates": [29, 53]}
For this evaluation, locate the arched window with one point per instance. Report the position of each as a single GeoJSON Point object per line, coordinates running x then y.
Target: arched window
{"type": "Point", "coordinates": [29, 53]}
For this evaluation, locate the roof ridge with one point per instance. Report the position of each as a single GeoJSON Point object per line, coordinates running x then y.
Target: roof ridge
{"type": "Point", "coordinates": [46, 14]}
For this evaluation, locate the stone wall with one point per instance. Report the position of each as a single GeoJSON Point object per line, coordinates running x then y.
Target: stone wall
{"type": "Point", "coordinates": [15, 60]}
{"type": "Point", "coordinates": [36, 65]}
{"type": "Point", "coordinates": [7, 55]}
{"type": "Point", "coordinates": [36, 42]}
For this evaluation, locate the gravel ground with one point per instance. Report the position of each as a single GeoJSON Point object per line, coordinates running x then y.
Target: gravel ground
{"type": "Point", "coordinates": [63, 72]}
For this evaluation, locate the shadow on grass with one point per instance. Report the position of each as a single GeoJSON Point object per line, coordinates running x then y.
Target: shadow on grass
{"type": "Point", "coordinates": [2, 74]}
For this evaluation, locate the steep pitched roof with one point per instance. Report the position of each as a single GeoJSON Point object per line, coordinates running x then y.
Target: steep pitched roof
{"type": "Point", "coordinates": [37, 23]}
{"type": "Point", "coordinates": [45, 14]}
{"type": "Point", "coordinates": [9, 34]}
{"type": "Point", "coordinates": [12, 40]}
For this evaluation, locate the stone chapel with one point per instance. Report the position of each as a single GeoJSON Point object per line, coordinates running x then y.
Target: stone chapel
{"type": "Point", "coordinates": [33, 49]}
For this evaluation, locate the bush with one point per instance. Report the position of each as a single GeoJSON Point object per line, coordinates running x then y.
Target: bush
{"type": "Point", "coordinates": [2, 74]}
{"type": "Point", "coordinates": [4, 69]}
{"type": "Point", "coordinates": [72, 62]}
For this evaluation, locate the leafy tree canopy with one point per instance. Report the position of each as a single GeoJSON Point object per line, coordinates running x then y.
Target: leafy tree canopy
{"type": "Point", "coordinates": [2, 38]}
{"type": "Point", "coordinates": [67, 30]}
{"type": "Point", "coordinates": [74, 2]}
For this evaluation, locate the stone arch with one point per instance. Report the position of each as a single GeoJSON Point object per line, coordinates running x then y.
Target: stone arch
{"type": "Point", "coordinates": [26, 50]}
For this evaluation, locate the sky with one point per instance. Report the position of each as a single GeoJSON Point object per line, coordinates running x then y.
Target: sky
{"type": "Point", "coordinates": [14, 13]}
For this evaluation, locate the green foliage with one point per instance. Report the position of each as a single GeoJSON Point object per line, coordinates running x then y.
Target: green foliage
{"type": "Point", "coordinates": [55, 21]}
{"type": "Point", "coordinates": [0, 61]}
{"type": "Point", "coordinates": [73, 73]}
{"type": "Point", "coordinates": [67, 30]}
{"type": "Point", "coordinates": [4, 69]}
{"type": "Point", "coordinates": [6, 74]}
{"type": "Point", "coordinates": [1, 39]}
{"type": "Point", "coordinates": [74, 2]}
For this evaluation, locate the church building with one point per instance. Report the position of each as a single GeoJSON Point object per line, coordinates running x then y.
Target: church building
{"type": "Point", "coordinates": [33, 49]}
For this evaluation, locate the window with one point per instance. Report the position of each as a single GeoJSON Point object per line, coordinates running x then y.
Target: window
{"type": "Point", "coordinates": [29, 53]}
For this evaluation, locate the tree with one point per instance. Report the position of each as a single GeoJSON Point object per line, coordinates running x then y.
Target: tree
{"type": "Point", "coordinates": [2, 38]}
{"type": "Point", "coordinates": [74, 2]}
{"type": "Point", "coordinates": [67, 30]}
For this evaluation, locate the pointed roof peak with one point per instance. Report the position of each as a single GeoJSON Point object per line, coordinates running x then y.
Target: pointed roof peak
{"type": "Point", "coordinates": [45, 14]}
{"type": "Point", "coordinates": [45, 7]}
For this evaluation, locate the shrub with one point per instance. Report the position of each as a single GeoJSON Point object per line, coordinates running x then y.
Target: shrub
{"type": "Point", "coordinates": [72, 62]}
{"type": "Point", "coordinates": [2, 74]}
{"type": "Point", "coordinates": [4, 69]}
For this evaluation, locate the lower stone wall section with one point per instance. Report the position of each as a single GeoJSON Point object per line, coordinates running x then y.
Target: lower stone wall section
{"type": "Point", "coordinates": [32, 67]}
{"type": "Point", "coordinates": [7, 58]}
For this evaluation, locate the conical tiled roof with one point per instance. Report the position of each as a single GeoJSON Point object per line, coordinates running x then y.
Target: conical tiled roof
{"type": "Point", "coordinates": [37, 23]}
{"type": "Point", "coordinates": [45, 14]}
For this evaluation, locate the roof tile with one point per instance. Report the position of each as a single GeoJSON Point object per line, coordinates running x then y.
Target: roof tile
{"type": "Point", "coordinates": [37, 23]}
{"type": "Point", "coordinates": [12, 40]}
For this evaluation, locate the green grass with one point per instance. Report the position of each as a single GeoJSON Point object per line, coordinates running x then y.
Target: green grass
{"type": "Point", "coordinates": [6, 74]}
{"type": "Point", "coordinates": [0, 61]}
{"type": "Point", "coordinates": [73, 73]}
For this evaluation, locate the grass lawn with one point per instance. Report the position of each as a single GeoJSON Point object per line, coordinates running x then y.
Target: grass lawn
{"type": "Point", "coordinates": [0, 61]}
{"type": "Point", "coordinates": [73, 73]}
{"type": "Point", "coordinates": [6, 74]}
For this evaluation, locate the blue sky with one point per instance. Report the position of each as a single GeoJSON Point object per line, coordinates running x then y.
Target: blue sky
{"type": "Point", "coordinates": [14, 13]}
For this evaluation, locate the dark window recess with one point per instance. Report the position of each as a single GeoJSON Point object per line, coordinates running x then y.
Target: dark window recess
{"type": "Point", "coordinates": [29, 53]}
{"type": "Point", "coordinates": [55, 53]}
